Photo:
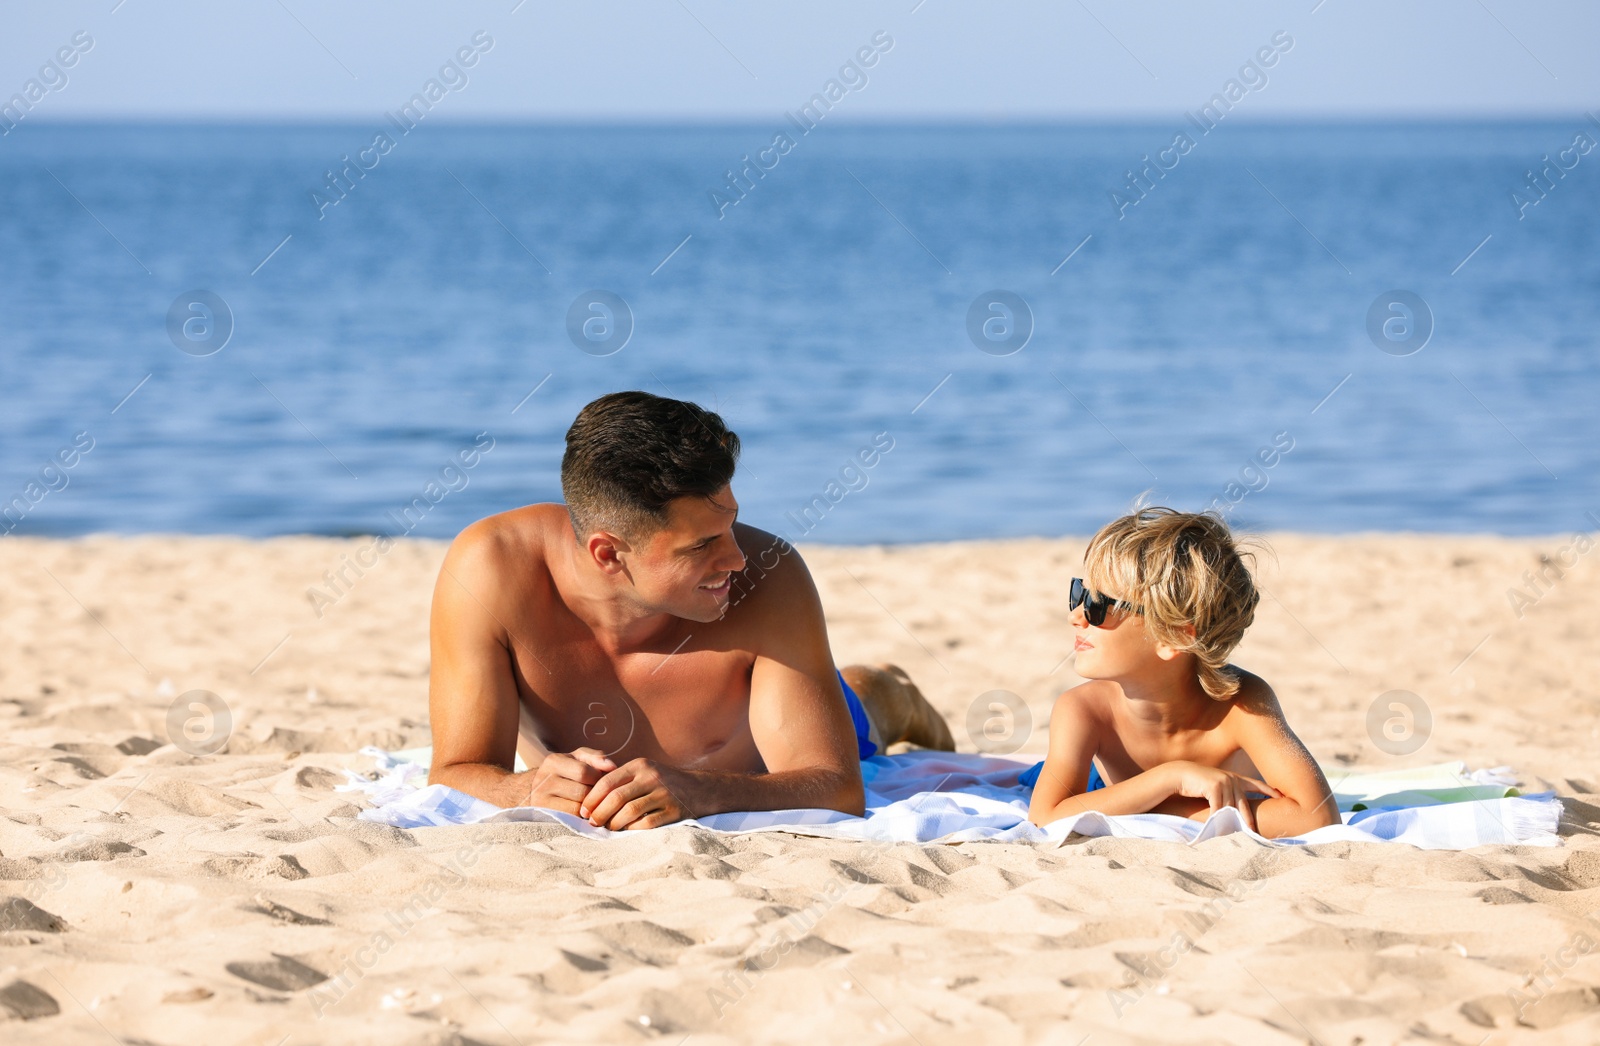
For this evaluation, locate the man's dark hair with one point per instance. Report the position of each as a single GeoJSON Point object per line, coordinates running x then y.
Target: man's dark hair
{"type": "Point", "coordinates": [629, 454]}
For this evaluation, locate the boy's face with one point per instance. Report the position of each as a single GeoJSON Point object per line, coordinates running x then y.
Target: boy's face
{"type": "Point", "coordinates": [1119, 647]}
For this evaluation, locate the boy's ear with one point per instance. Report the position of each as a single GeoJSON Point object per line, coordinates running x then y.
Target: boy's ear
{"type": "Point", "coordinates": [1167, 653]}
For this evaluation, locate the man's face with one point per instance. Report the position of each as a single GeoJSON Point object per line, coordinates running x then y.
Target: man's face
{"type": "Point", "coordinates": [686, 568]}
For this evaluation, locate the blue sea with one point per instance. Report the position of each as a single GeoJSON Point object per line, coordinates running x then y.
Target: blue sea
{"type": "Point", "coordinates": [1329, 328]}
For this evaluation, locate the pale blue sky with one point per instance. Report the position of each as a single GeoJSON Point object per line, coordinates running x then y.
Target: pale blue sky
{"type": "Point", "coordinates": [713, 60]}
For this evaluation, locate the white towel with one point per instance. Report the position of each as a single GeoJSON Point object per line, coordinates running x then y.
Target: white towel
{"type": "Point", "coordinates": [946, 797]}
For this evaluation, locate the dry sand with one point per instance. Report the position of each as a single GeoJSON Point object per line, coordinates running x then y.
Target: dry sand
{"type": "Point", "coordinates": [172, 898]}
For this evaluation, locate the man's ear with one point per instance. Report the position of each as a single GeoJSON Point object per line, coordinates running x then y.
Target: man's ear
{"type": "Point", "coordinates": [606, 550]}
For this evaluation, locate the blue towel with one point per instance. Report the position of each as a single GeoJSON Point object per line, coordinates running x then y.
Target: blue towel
{"type": "Point", "coordinates": [858, 719]}
{"type": "Point", "coordinates": [1030, 776]}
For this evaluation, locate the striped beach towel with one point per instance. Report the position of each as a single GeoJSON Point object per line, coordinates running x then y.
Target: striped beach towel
{"type": "Point", "coordinates": [948, 797]}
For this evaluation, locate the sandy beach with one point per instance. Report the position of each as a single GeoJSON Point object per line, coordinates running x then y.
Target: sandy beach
{"type": "Point", "coordinates": [169, 897]}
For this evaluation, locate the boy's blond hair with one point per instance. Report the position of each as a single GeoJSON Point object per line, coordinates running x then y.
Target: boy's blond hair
{"type": "Point", "coordinates": [1183, 568]}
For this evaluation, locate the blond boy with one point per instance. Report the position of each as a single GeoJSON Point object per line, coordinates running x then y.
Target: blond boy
{"type": "Point", "coordinates": [1174, 728]}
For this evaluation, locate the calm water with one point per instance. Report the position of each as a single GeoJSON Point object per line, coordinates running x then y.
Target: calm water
{"type": "Point", "coordinates": [1180, 340]}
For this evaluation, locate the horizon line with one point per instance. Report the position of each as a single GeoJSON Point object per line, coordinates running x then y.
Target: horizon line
{"type": "Point", "coordinates": [621, 121]}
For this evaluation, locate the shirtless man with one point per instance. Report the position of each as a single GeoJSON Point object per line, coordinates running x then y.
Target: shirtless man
{"type": "Point", "coordinates": [640, 665]}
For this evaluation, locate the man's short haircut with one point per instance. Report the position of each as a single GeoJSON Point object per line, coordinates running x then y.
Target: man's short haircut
{"type": "Point", "coordinates": [1183, 568]}
{"type": "Point", "coordinates": [630, 454]}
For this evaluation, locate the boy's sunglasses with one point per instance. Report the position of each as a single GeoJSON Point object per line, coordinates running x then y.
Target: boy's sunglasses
{"type": "Point", "coordinates": [1095, 607]}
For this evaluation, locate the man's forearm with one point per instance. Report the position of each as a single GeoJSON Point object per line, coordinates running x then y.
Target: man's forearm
{"type": "Point", "coordinates": [719, 791]}
{"type": "Point", "coordinates": [485, 781]}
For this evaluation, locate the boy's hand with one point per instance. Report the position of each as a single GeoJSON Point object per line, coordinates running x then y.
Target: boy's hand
{"type": "Point", "coordinates": [1217, 787]}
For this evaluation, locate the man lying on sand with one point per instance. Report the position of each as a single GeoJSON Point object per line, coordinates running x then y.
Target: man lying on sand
{"type": "Point", "coordinates": [620, 645]}
{"type": "Point", "coordinates": [1174, 727]}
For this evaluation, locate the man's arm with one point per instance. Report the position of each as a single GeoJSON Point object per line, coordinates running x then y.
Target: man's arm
{"type": "Point", "coordinates": [797, 716]}
{"type": "Point", "coordinates": [472, 696]}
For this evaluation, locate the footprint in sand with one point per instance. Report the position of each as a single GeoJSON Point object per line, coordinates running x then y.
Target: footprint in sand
{"type": "Point", "coordinates": [809, 950]}
{"type": "Point", "coordinates": [1583, 868]}
{"type": "Point", "coordinates": [250, 868]}
{"type": "Point", "coordinates": [571, 974]}
{"type": "Point", "coordinates": [315, 778]}
{"type": "Point", "coordinates": [1502, 895]}
{"type": "Point", "coordinates": [277, 911]}
{"type": "Point", "coordinates": [280, 973]}
{"type": "Point", "coordinates": [21, 1001]}
{"type": "Point", "coordinates": [21, 914]}
{"type": "Point", "coordinates": [1532, 1011]}
{"type": "Point", "coordinates": [98, 850]}
{"type": "Point", "coordinates": [645, 941]}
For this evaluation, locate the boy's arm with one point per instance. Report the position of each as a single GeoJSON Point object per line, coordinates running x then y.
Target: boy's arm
{"type": "Point", "coordinates": [1182, 788]}
{"type": "Point", "coordinates": [1060, 790]}
{"type": "Point", "coordinates": [1306, 802]}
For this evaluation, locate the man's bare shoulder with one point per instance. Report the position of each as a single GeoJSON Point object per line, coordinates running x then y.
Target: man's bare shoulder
{"type": "Point", "coordinates": [773, 574]}
{"type": "Point", "coordinates": [516, 532]}
{"type": "Point", "coordinates": [505, 545]}
{"type": "Point", "coordinates": [774, 601]}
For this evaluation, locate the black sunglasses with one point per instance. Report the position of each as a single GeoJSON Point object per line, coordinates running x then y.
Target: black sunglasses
{"type": "Point", "coordinates": [1096, 606]}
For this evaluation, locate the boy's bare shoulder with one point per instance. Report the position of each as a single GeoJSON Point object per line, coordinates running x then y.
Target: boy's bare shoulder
{"type": "Point", "coordinates": [1256, 699]}
{"type": "Point", "coordinates": [1092, 697]}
